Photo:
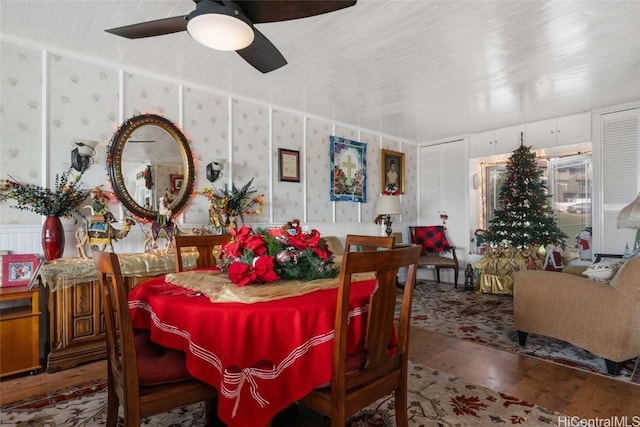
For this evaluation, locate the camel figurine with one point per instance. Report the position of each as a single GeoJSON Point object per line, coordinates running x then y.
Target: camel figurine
{"type": "Point", "coordinates": [98, 233]}
{"type": "Point", "coordinates": [162, 228]}
{"type": "Point", "coordinates": [157, 232]}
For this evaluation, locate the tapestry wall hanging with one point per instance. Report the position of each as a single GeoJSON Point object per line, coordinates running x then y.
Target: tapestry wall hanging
{"type": "Point", "coordinates": [348, 170]}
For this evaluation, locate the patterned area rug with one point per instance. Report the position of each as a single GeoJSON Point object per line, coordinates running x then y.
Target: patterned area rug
{"type": "Point", "coordinates": [435, 398]}
{"type": "Point", "coordinates": [488, 319]}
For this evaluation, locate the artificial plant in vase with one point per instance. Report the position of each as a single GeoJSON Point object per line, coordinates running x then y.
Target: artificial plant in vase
{"type": "Point", "coordinates": [228, 206]}
{"type": "Point", "coordinates": [62, 200]}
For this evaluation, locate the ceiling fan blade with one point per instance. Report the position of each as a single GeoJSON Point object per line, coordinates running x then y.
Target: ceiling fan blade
{"type": "Point", "coordinates": [262, 54]}
{"type": "Point", "coordinates": [260, 11]}
{"type": "Point", "coordinates": [151, 28]}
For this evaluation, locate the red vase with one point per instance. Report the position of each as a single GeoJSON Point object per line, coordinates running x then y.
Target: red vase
{"type": "Point", "coordinates": [52, 238]}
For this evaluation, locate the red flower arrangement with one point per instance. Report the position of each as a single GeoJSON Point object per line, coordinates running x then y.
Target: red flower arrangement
{"type": "Point", "coordinates": [391, 190]}
{"type": "Point", "coordinates": [281, 253]}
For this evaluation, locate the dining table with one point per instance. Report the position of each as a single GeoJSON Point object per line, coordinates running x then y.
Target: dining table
{"type": "Point", "coordinates": [262, 346]}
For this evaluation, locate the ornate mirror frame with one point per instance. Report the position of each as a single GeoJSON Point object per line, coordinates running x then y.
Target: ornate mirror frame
{"type": "Point", "coordinates": [116, 149]}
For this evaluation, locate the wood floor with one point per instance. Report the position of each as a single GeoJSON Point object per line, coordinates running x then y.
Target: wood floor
{"type": "Point", "coordinates": [550, 385]}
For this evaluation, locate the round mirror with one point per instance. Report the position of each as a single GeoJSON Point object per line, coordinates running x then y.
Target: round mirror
{"type": "Point", "coordinates": [150, 162]}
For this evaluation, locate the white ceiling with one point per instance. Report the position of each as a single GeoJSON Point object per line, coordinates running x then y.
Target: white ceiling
{"type": "Point", "coordinates": [417, 70]}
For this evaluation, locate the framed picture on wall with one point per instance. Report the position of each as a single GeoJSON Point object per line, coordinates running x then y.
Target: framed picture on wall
{"type": "Point", "coordinates": [288, 165]}
{"type": "Point", "coordinates": [176, 183]}
{"type": "Point", "coordinates": [348, 170]}
{"type": "Point", "coordinates": [19, 269]}
{"type": "Point", "coordinates": [392, 172]}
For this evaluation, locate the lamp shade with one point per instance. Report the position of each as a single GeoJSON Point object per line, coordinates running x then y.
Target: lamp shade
{"type": "Point", "coordinates": [219, 27]}
{"type": "Point", "coordinates": [629, 217]}
{"type": "Point", "coordinates": [86, 147]}
{"type": "Point", "coordinates": [388, 205]}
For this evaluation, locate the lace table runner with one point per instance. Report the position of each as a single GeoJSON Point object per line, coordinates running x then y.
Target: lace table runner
{"type": "Point", "coordinates": [218, 288]}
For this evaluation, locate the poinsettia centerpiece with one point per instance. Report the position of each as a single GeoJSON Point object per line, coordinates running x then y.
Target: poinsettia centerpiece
{"type": "Point", "coordinates": [289, 252]}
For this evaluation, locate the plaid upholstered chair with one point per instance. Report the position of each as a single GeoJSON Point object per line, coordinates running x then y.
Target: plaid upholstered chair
{"type": "Point", "coordinates": [435, 245]}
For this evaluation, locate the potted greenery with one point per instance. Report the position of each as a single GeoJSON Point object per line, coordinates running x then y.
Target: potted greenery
{"type": "Point", "coordinates": [62, 200]}
{"type": "Point", "coordinates": [228, 206]}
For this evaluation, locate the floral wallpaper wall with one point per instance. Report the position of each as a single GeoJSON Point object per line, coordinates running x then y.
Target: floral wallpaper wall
{"type": "Point", "coordinates": [319, 206]}
{"type": "Point", "coordinates": [83, 104]}
{"type": "Point", "coordinates": [83, 100]}
{"type": "Point", "coordinates": [410, 198]}
{"type": "Point", "coordinates": [206, 126]}
{"type": "Point", "coordinates": [20, 122]}
{"type": "Point", "coordinates": [288, 197]}
{"type": "Point", "coordinates": [251, 150]}
{"type": "Point", "coordinates": [373, 176]}
{"type": "Point", "coordinates": [147, 95]}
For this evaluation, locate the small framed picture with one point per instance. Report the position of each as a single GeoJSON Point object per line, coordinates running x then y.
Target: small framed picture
{"type": "Point", "coordinates": [20, 269]}
{"type": "Point", "coordinates": [176, 183]}
{"type": "Point", "coordinates": [289, 165]}
{"type": "Point", "coordinates": [393, 172]}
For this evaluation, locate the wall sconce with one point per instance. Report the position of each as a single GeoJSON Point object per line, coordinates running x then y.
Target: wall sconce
{"type": "Point", "coordinates": [214, 170]}
{"type": "Point", "coordinates": [82, 155]}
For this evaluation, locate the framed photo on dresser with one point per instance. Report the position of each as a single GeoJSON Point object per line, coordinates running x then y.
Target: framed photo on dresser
{"type": "Point", "coordinates": [19, 269]}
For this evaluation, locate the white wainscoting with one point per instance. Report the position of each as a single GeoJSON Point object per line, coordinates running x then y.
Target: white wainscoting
{"type": "Point", "coordinates": [23, 239]}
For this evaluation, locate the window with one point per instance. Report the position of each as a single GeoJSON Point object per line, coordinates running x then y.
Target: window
{"type": "Point", "coordinates": [495, 178]}
{"type": "Point", "coordinates": [568, 179]}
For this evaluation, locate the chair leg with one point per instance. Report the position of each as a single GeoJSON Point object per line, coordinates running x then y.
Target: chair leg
{"type": "Point", "coordinates": [455, 277]}
{"type": "Point", "coordinates": [287, 417]}
{"type": "Point", "coordinates": [522, 337]}
{"type": "Point", "coordinates": [437, 274]}
{"type": "Point", "coordinates": [402, 407]}
{"type": "Point", "coordinates": [211, 413]}
{"type": "Point", "coordinates": [112, 407]}
{"type": "Point", "coordinates": [338, 414]}
{"type": "Point", "coordinates": [613, 368]}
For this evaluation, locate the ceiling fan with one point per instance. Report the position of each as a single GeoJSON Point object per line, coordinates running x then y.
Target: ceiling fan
{"type": "Point", "coordinates": [228, 25]}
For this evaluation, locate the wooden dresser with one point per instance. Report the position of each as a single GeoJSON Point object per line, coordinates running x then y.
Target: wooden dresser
{"type": "Point", "coordinates": [74, 310]}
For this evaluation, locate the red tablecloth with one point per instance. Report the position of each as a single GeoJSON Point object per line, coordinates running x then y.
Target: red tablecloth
{"type": "Point", "coordinates": [260, 357]}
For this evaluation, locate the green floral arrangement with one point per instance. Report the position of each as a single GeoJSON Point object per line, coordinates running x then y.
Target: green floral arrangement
{"type": "Point", "coordinates": [227, 205]}
{"type": "Point", "coordinates": [63, 200]}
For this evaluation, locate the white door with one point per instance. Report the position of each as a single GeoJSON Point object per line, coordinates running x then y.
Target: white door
{"type": "Point", "coordinates": [444, 188]}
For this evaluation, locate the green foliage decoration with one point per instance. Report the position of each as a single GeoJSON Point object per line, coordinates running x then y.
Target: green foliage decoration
{"type": "Point", "coordinates": [62, 200]}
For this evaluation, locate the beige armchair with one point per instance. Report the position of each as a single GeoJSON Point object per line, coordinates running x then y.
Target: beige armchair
{"type": "Point", "coordinates": [601, 318]}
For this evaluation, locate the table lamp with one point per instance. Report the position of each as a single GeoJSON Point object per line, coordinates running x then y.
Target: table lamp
{"type": "Point", "coordinates": [386, 206]}
{"type": "Point", "coordinates": [629, 217]}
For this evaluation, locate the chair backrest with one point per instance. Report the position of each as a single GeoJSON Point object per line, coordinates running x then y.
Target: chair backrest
{"type": "Point", "coordinates": [432, 238]}
{"type": "Point", "coordinates": [380, 324]}
{"type": "Point", "coordinates": [121, 353]}
{"type": "Point", "coordinates": [628, 279]}
{"type": "Point", "coordinates": [205, 245]}
{"type": "Point", "coordinates": [335, 245]}
{"type": "Point", "coordinates": [367, 243]}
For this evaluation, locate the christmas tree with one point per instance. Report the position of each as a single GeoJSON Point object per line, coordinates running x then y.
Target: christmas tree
{"type": "Point", "coordinates": [525, 217]}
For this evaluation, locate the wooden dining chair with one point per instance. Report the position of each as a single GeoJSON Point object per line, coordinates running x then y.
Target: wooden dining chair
{"type": "Point", "coordinates": [143, 377]}
{"type": "Point", "coordinates": [205, 245]}
{"type": "Point", "coordinates": [367, 243]}
{"type": "Point", "coordinates": [360, 379]}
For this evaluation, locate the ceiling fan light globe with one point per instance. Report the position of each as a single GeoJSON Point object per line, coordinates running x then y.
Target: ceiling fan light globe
{"type": "Point", "coordinates": [220, 32]}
